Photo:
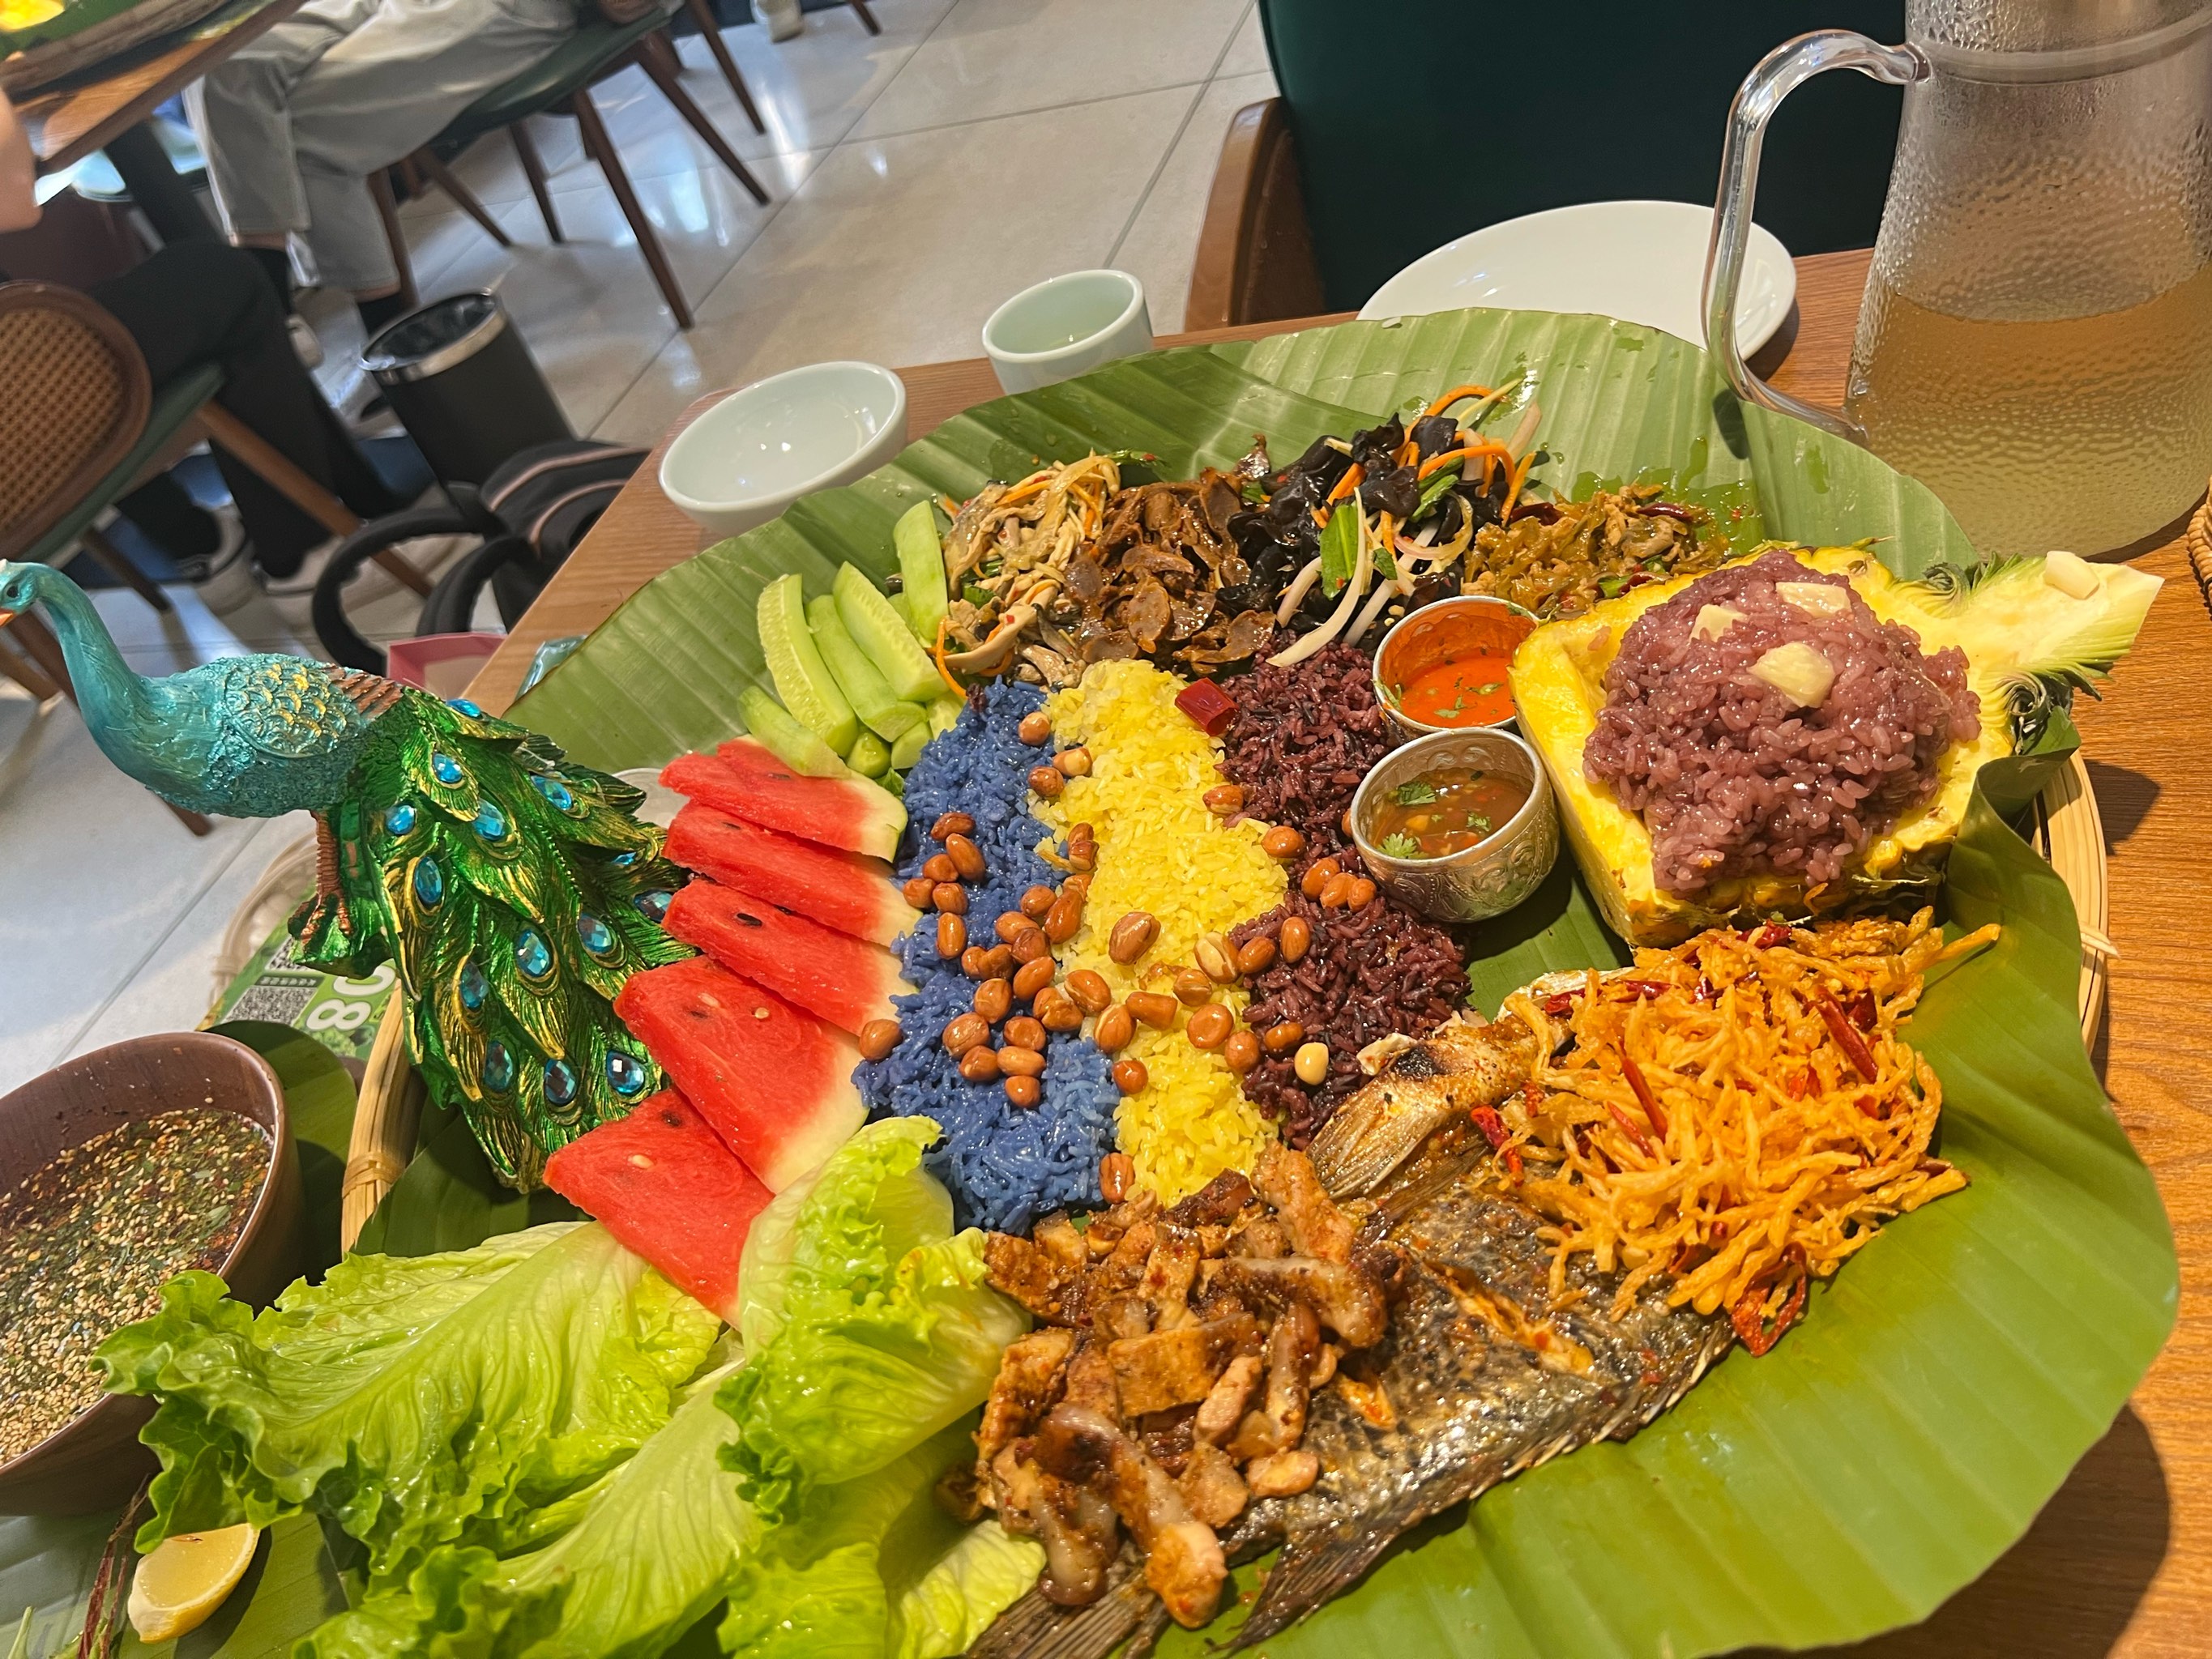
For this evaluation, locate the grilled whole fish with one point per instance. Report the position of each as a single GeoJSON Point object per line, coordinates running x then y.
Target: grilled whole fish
{"type": "Point", "coordinates": [1458, 1066]}
{"type": "Point", "coordinates": [1478, 1379]}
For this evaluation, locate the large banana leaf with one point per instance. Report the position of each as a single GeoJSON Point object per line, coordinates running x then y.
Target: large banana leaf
{"type": "Point", "coordinates": [1942, 1387]}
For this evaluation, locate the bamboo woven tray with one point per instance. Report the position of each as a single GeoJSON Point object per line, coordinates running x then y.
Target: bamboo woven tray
{"type": "Point", "coordinates": [2067, 830]}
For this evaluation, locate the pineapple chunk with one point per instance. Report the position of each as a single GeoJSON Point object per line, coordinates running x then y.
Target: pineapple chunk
{"type": "Point", "coordinates": [1713, 621]}
{"type": "Point", "coordinates": [1814, 599]}
{"type": "Point", "coordinates": [2070, 573]}
{"type": "Point", "coordinates": [1798, 672]}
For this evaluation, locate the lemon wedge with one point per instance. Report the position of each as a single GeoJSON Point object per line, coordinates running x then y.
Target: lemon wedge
{"type": "Point", "coordinates": [185, 1578]}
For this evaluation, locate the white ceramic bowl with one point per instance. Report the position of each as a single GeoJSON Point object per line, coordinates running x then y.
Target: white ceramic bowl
{"type": "Point", "coordinates": [764, 446]}
{"type": "Point", "coordinates": [1644, 262]}
{"type": "Point", "coordinates": [1065, 324]}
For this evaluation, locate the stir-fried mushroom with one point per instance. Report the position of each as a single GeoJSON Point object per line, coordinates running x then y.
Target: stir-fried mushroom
{"type": "Point", "coordinates": [1171, 1380]}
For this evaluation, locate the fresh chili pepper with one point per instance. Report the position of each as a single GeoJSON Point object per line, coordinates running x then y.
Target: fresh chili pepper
{"type": "Point", "coordinates": [1628, 1128]}
{"type": "Point", "coordinates": [1846, 1036]}
{"type": "Point", "coordinates": [1753, 1330]}
{"type": "Point", "coordinates": [1493, 1126]}
{"type": "Point", "coordinates": [1644, 1097]}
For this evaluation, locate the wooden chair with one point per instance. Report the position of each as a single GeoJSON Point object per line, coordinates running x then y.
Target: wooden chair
{"type": "Point", "coordinates": [560, 83]}
{"type": "Point", "coordinates": [1255, 254]}
{"type": "Point", "coordinates": [82, 425]}
{"type": "Point", "coordinates": [1373, 155]}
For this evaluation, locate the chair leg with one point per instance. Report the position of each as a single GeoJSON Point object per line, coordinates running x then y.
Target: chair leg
{"type": "Point", "coordinates": [602, 151]}
{"type": "Point", "coordinates": [442, 176]}
{"type": "Point", "coordinates": [27, 674]}
{"type": "Point", "coordinates": [533, 168]}
{"type": "Point", "coordinates": [673, 89]}
{"type": "Point", "coordinates": [110, 558]}
{"type": "Point", "coordinates": [868, 18]}
{"type": "Point", "coordinates": [703, 15]}
{"type": "Point", "coordinates": [226, 431]}
{"type": "Point", "coordinates": [379, 188]}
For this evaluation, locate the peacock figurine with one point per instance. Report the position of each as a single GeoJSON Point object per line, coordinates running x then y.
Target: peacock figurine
{"type": "Point", "coordinates": [513, 891]}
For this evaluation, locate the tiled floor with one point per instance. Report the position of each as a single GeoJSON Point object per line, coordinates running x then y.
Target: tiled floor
{"type": "Point", "coordinates": [916, 179]}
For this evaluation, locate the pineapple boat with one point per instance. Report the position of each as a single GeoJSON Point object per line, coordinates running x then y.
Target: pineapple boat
{"type": "Point", "coordinates": [1798, 733]}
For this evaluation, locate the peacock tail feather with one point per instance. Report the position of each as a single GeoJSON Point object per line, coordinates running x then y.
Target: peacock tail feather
{"type": "Point", "coordinates": [514, 892]}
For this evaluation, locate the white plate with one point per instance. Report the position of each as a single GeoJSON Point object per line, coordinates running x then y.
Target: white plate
{"type": "Point", "coordinates": [1644, 262]}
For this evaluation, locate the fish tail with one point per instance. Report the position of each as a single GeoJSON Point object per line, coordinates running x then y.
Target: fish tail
{"type": "Point", "coordinates": [1316, 1565]}
{"type": "Point", "coordinates": [1037, 1628]}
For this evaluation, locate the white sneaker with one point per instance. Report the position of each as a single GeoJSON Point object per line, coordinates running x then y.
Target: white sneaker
{"type": "Point", "coordinates": [223, 579]}
{"type": "Point", "coordinates": [304, 340]}
{"type": "Point", "coordinates": [783, 17]}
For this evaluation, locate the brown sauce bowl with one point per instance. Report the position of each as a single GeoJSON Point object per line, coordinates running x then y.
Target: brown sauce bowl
{"type": "Point", "coordinates": [94, 1461]}
{"type": "Point", "coordinates": [1436, 634]}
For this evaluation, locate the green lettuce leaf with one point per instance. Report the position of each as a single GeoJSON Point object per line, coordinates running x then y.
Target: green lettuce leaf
{"type": "Point", "coordinates": [873, 1568]}
{"type": "Point", "coordinates": [647, 1558]}
{"type": "Point", "coordinates": [880, 1329]}
{"type": "Point", "coordinates": [417, 1401]}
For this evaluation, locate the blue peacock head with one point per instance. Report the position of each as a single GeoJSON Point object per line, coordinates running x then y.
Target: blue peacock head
{"type": "Point", "coordinates": [23, 586]}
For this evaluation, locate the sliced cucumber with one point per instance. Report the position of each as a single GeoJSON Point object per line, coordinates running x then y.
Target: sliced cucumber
{"type": "Point", "coordinates": [790, 742]}
{"type": "Point", "coordinates": [871, 757]}
{"type": "Point", "coordinates": [945, 713]}
{"type": "Point", "coordinates": [879, 711]}
{"type": "Point", "coordinates": [911, 741]}
{"type": "Point", "coordinates": [921, 567]}
{"type": "Point", "coordinates": [892, 784]}
{"type": "Point", "coordinates": [803, 680]}
{"type": "Point", "coordinates": [878, 630]}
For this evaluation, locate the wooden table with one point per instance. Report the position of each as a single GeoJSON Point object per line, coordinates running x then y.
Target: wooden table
{"type": "Point", "coordinates": [2121, 1560]}
{"type": "Point", "coordinates": [109, 113]}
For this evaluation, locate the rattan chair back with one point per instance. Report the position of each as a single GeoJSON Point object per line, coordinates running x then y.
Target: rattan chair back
{"type": "Point", "coordinates": [74, 397]}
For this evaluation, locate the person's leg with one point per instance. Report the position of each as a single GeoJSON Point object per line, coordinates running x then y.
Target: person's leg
{"type": "Point", "coordinates": [385, 91]}
{"type": "Point", "coordinates": [241, 110]}
{"type": "Point", "coordinates": [198, 302]}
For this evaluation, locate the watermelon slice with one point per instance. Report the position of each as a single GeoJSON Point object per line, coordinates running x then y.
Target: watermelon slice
{"type": "Point", "coordinates": [774, 1082]}
{"type": "Point", "coordinates": [664, 1185]}
{"type": "Point", "coordinates": [845, 981]}
{"type": "Point", "coordinates": [838, 890]}
{"type": "Point", "coordinates": [743, 778]}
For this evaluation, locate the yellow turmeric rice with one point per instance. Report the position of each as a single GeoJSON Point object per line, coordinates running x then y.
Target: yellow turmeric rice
{"type": "Point", "coordinates": [1160, 851]}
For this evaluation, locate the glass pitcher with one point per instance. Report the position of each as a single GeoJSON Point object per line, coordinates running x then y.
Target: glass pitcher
{"type": "Point", "coordinates": [2035, 343]}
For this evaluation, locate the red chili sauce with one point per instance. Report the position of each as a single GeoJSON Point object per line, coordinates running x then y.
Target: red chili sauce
{"type": "Point", "coordinates": [1470, 690]}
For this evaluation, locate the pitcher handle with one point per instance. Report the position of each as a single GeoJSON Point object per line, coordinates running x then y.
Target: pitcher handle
{"type": "Point", "coordinates": [1778, 74]}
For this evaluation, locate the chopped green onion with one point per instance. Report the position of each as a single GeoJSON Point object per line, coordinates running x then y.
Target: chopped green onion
{"type": "Point", "coordinates": [975, 595]}
{"type": "Point", "coordinates": [1436, 487]}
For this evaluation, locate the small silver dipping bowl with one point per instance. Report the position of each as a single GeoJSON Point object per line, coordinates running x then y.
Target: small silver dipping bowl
{"type": "Point", "coordinates": [1436, 634]}
{"type": "Point", "coordinates": [1488, 879]}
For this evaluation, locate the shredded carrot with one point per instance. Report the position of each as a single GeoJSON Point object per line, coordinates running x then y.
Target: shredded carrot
{"type": "Point", "coordinates": [1453, 396]}
{"type": "Point", "coordinates": [1036, 484]}
{"type": "Point", "coordinates": [1350, 482]}
{"type": "Point", "coordinates": [937, 654]}
{"type": "Point", "coordinates": [1520, 477]}
{"type": "Point", "coordinates": [1408, 453]}
{"type": "Point", "coordinates": [1482, 447]}
{"type": "Point", "coordinates": [951, 507]}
